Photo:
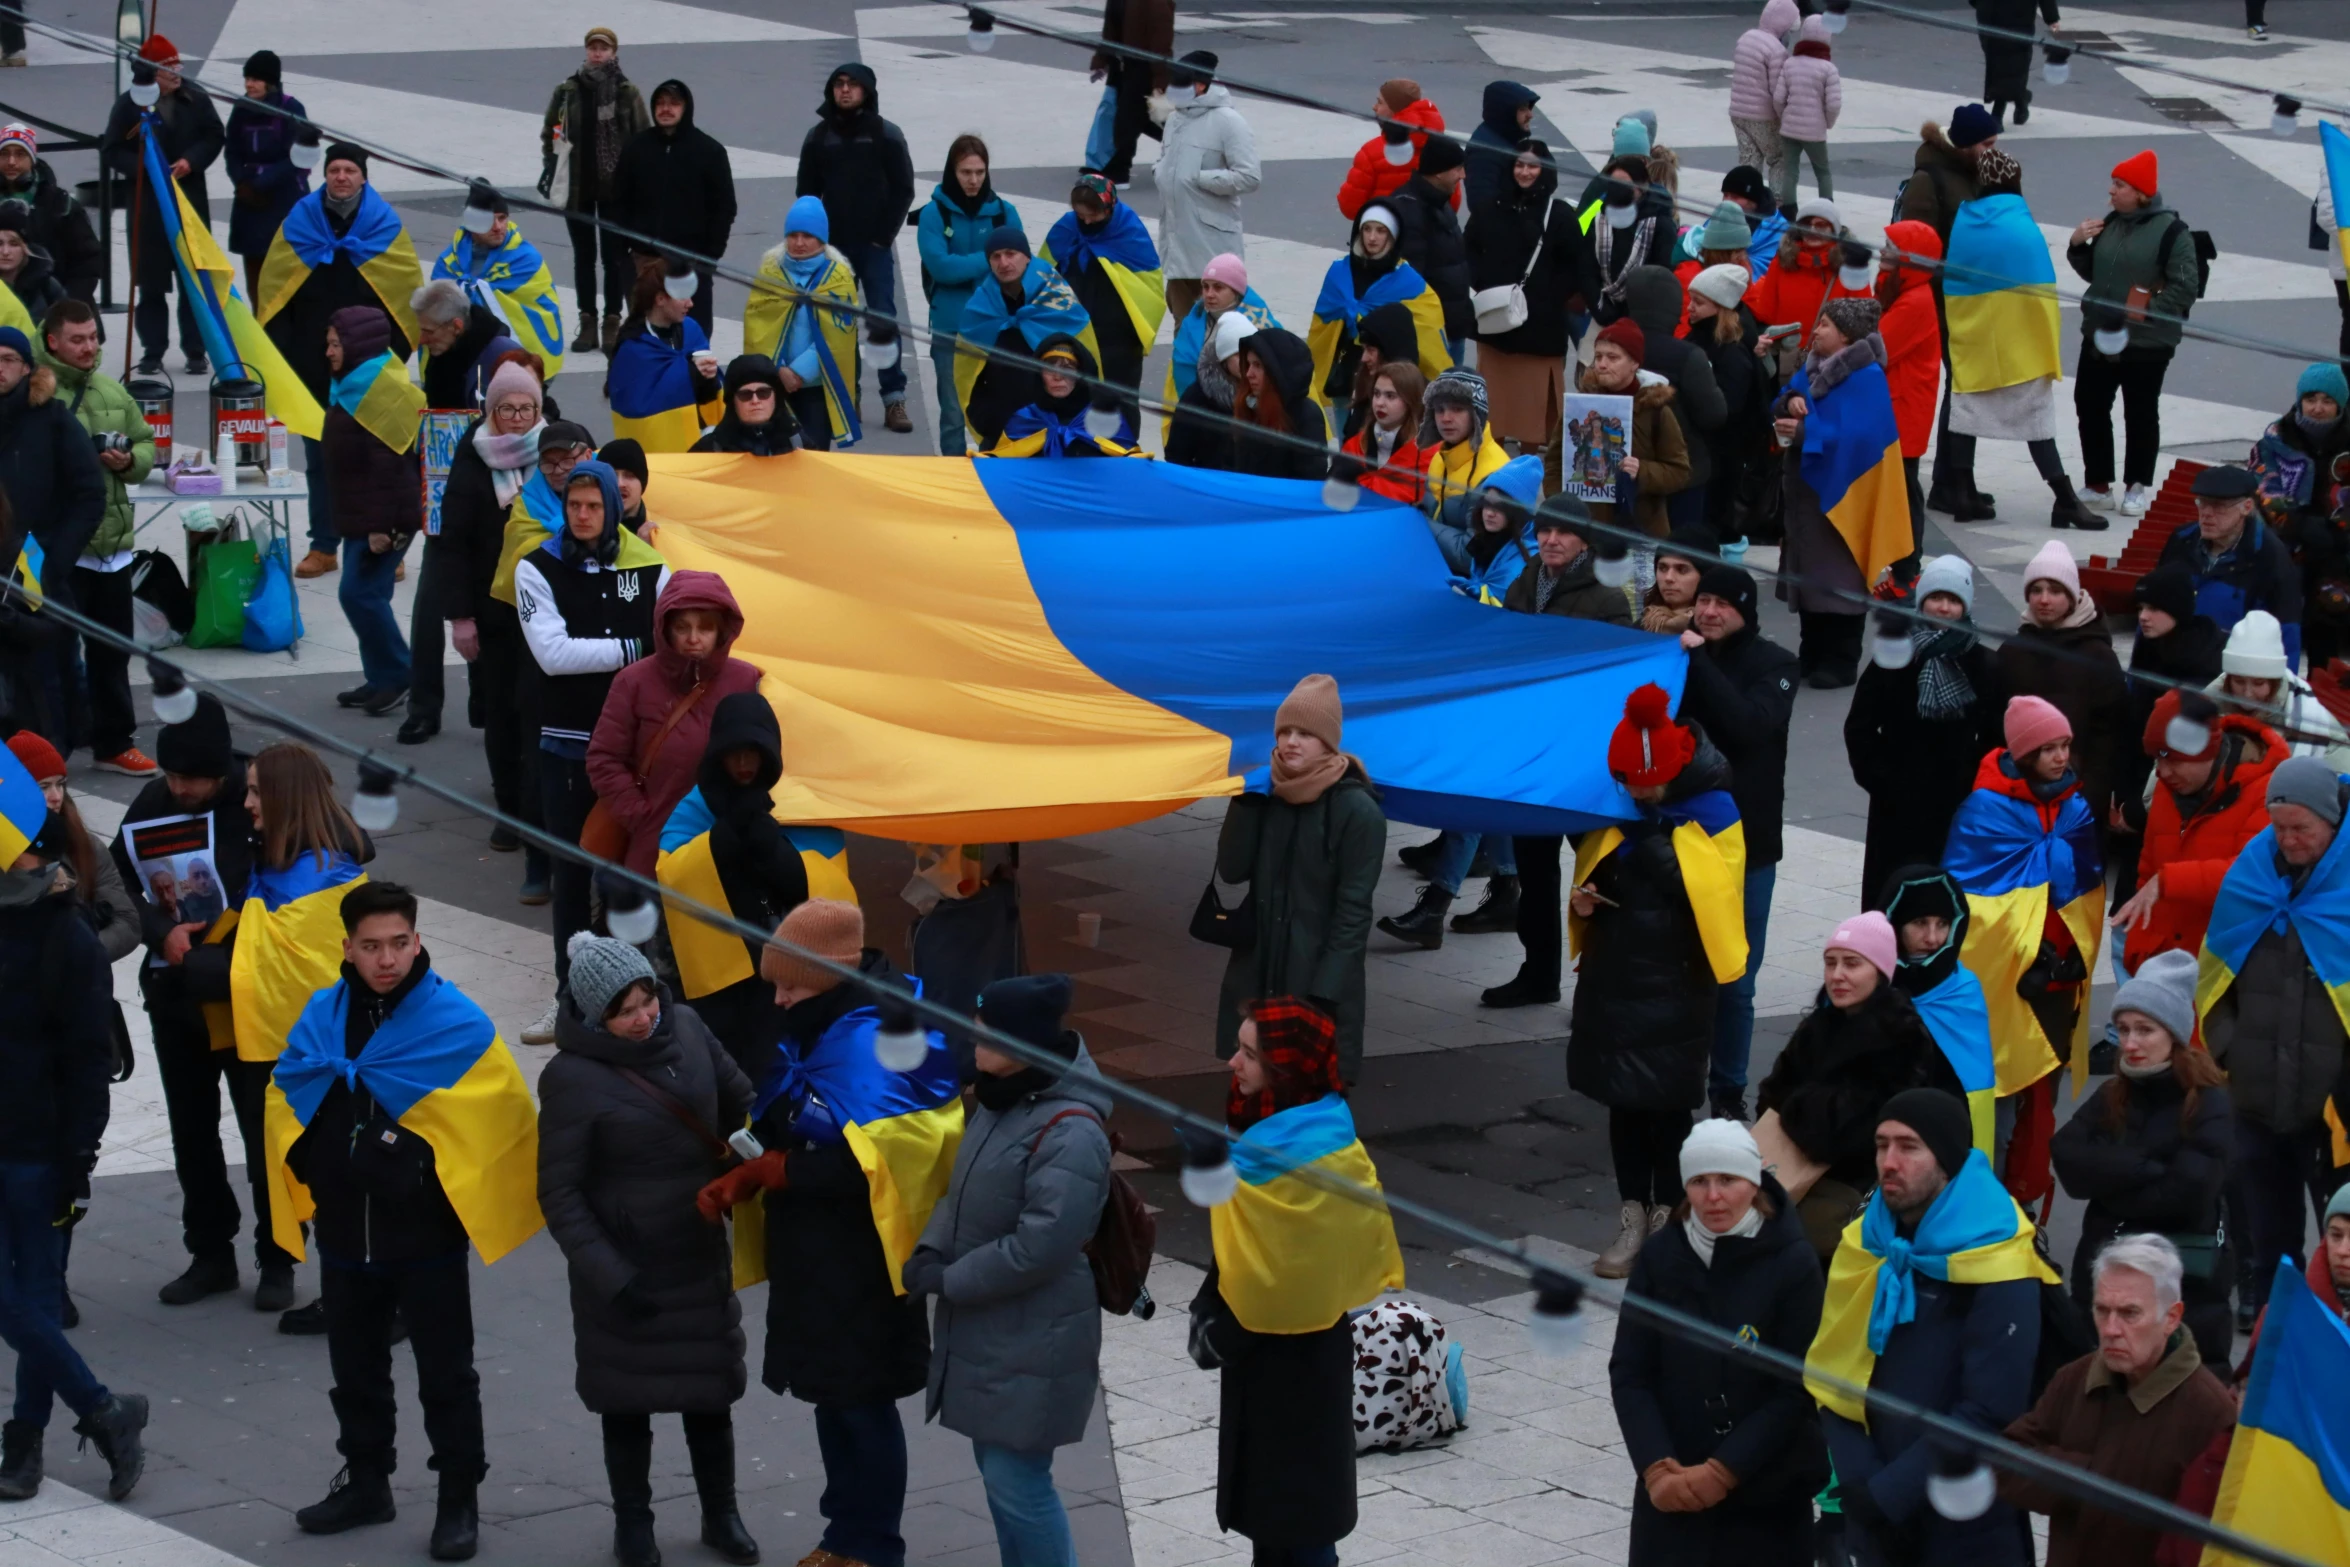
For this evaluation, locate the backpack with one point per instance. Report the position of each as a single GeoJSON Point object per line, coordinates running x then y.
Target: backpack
{"type": "Point", "coordinates": [2206, 252]}
{"type": "Point", "coordinates": [1410, 1387]}
{"type": "Point", "coordinates": [1120, 1251]}
{"type": "Point", "coordinates": [156, 581]}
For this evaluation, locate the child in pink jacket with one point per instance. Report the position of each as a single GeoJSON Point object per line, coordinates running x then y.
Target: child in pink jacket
{"type": "Point", "coordinates": [1755, 68]}
{"type": "Point", "coordinates": [1809, 95]}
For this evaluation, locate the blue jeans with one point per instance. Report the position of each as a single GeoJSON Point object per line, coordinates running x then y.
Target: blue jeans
{"type": "Point", "coordinates": [951, 439]}
{"type": "Point", "coordinates": [1734, 1003]}
{"type": "Point", "coordinates": [1459, 852]}
{"type": "Point", "coordinates": [366, 596]}
{"type": "Point", "coordinates": [1031, 1526]}
{"type": "Point", "coordinates": [32, 1289]}
{"type": "Point", "coordinates": [864, 1501]}
{"type": "Point", "coordinates": [323, 537]}
{"type": "Point", "coordinates": [877, 274]}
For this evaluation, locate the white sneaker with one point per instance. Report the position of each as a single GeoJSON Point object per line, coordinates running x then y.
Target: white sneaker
{"type": "Point", "coordinates": [2096, 499]}
{"type": "Point", "coordinates": [2135, 500]}
{"type": "Point", "coordinates": [543, 1031]}
{"type": "Point", "coordinates": [1616, 1261]}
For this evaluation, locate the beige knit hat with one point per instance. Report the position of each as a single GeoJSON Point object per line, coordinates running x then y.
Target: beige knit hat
{"type": "Point", "coordinates": [825, 926]}
{"type": "Point", "coordinates": [1313, 707]}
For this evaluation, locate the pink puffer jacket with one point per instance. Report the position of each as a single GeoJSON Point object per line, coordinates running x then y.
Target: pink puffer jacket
{"type": "Point", "coordinates": [1760, 57]}
{"type": "Point", "coordinates": [1810, 93]}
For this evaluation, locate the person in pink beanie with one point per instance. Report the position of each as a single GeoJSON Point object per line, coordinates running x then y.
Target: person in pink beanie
{"type": "Point", "coordinates": [2064, 657]}
{"type": "Point", "coordinates": [2032, 726]}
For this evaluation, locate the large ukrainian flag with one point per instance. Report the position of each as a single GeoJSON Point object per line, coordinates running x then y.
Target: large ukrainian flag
{"type": "Point", "coordinates": [289, 947]}
{"type": "Point", "coordinates": [2015, 866]}
{"type": "Point", "coordinates": [1851, 458]}
{"type": "Point", "coordinates": [2255, 898]}
{"type": "Point", "coordinates": [378, 394]}
{"type": "Point", "coordinates": [2287, 1483]}
{"type": "Point", "coordinates": [1955, 1014]}
{"type": "Point", "coordinates": [1291, 1255]}
{"type": "Point", "coordinates": [710, 959]}
{"type": "Point", "coordinates": [651, 388]}
{"type": "Point", "coordinates": [1339, 311]}
{"type": "Point", "coordinates": [1001, 651]}
{"type": "Point", "coordinates": [377, 244]}
{"type": "Point", "coordinates": [232, 336]}
{"type": "Point", "coordinates": [1999, 297]}
{"type": "Point", "coordinates": [775, 299]}
{"type": "Point", "coordinates": [1127, 257]}
{"type": "Point", "coordinates": [1709, 842]}
{"type": "Point", "coordinates": [1048, 308]}
{"type": "Point", "coordinates": [438, 1067]}
{"type": "Point", "coordinates": [517, 283]}
{"type": "Point", "coordinates": [902, 1127]}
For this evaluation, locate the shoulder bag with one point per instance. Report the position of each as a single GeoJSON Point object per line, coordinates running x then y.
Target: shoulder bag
{"type": "Point", "coordinates": [1502, 308]}
{"type": "Point", "coordinates": [603, 834]}
{"type": "Point", "coordinates": [1233, 927]}
{"type": "Point", "coordinates": [684, 1114]}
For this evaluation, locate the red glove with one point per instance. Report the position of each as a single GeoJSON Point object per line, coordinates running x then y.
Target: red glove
{"type": "Point", "coordinates": [763, 1174]}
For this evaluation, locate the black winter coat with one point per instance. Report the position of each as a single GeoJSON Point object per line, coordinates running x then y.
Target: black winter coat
{"type": "Point", "coordinates": [373, 488]}
{"type": "Point", "coordinates": [1291, 365]}
{"type": "Point", "coordinates": [1743, 441]}
{"type": "Point", "coordinates": [1741, 691]}
{"type": "Point", "coordinates": [677, 184]}
{"type": "Point", "coordinates": [2258, 573]}
{"type": "Point", "coordinates": [618, 1173]}
{"type": "Point", "coordinates": [761, 872]}
{"type": "Point", "coordinates": [2007, 62]}
{"type": "Point", "coordinates": [1692, 1407]}
{"type": "Point", "coordinates": [1643, 1015]}
{"type": "Point", "coordinates": [473, 531]}
{"type": "Point", "coordinates": [448, 378]}
{"type": "Point", "coordinates": [2074, 669]}
{"type": "Point", "coordinates": [50, 473]}
{"type": "Point", "coordinates": [187, 126]}
{"type": "Point", "coordinates": [858, 166]}
{"type": "Point", "coordinates": [59, 225]}
{"type": "Point", "coordinates": [57, 1051]}
{"type": "Point", "coordinates": [1285, 1429]}
{"type": "Point", "coordinates": [1197, 436]}
{"type": "Point", "coordinates": [1624, 252]}
{"type": "Point", "coordinates": [837, 1330]}
{"type": "Point", "coordinates": [2159, 1171]}
{"type": "Point", "coordinates": [1652, 298]}
{"type": "Point", "coordinates": [1492, 147]}
{"type": "Point", "coordinates": [1432, 242]}
{"type": "Point", "coordinates": [1837, 1071]}
{"type": "Point", "coordinates": [165, 989]}
{"type": "Point", "coordinates": [1915, 770]}
{"type": "Point", "coordinates": [264, 181]}
{"type": "Point", "coordinates": [1500, 240]}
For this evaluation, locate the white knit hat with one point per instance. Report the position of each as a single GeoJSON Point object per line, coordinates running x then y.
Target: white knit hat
{"type": "Point", "coordinates": [1233, 328]}
{"type": "Point", "coordinates": [1720, 1146]}
{"type": "Point", "coordinates": [1724, 283]}
{"type": "Point", "coordinates": [2255, 648]}
{"type": "Point", "coordinates": [1949, 574]}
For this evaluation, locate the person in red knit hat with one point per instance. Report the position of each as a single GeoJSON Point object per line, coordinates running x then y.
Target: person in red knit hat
{"type": "Point", "coordinates": [2139, 262]}
{"type": "Point", "coordinates": [1656, 918]}
{"type": "Point", "coordinates": [189, 133]}
{"type": "Point", "coordinates": [1656, 464]}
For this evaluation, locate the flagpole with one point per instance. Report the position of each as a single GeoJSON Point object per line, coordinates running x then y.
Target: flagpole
{"type": "Point", "coordinates": [131, 305]}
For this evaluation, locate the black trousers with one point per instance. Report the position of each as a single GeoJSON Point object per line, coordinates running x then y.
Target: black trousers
{"type": "Point", "coordinates": [2138, 377]}
{"type": "Point", "coordinates": [1540, 928]}
{"type": "Point", "coordinates": [437, 1302]}
{"type": "Point", "coordinates": [105, 596]}
{"type": "Point", "coordinates": [1133, 121]}
{"type": "Point", "coordinates": [192, 1072]}
{"type": "Point", "coordinates": [1646, 1147]}
{"type": "Point", "coordinates": [1954, 455]}
{"type": "Point", "coordinates": [565, 798]}
{"type": "Point", "coordinates": [1122, 366]}
{"type": "Point", "coordinates": [1829, 641]}
{"type": "Point", "coordinates": [815, 417]}
{"type": "Point", "coordinates": [499, 707]}
{"type": "Point", "coordinates": [587, 243]}
{"type": "Point", "coordinates": [428, 682]}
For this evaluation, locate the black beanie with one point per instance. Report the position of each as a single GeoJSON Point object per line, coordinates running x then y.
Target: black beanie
{"type": "Point", "coordinates": [1030, 1008]}
{"type": "Point", "coordinates": [1941, 1121]}
{"type": "Point", "coordinates": [264, 67]}
{"type": "Point", "coordinates": [624, 454]}
{"type": "Point", "coordinates": [1441, 153]}
{"type": "Point", "coordinates": [347, 152]}
{"type": "Point", "coordinates": [1731, 584]}
{"type": "Point", "coordinates": [2171, 589]}
{"type": "Point", "coordinates": [200, 747]}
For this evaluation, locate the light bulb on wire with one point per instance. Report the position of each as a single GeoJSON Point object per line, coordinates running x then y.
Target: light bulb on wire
{"type": "Point", "coordinates": [629, 914]}
{"type": "Point", "coordinates": [1344, 487]}
{"type": "Point", "coordinates": [1551, 1327]}
{"type": "Point", "coordinates": [2287, 119]}
{"type": "Point", "coordinates": [1612, 563]}
{"type": "Point", "coordinates": [2189, 731]}
{"type": "Point", "coordinates": [900, 1043]}
{"type": "Point", "coordinates": [2056, 65]}
{"type": "Point", "coordinates": [1835, 19]}
{"type": "Point", "coordinates": [1208, 1177]}
{"type": "Point", "coordinates": [175, 699]}
{"type": "Point", "coordinates": [1398, 148]}
{"type": "Point", "coordinates": [375, 807]}
{"type": "Point", "coordinates": [1889, 643]}
{"type": "Point", "coordinates": [981, 37]}
{"type": "Point", "coordinates": [1961, 1487]}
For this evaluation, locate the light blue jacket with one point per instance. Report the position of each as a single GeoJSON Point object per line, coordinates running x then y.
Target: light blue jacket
{"type": "Point", "coordinates": [1521, 479]}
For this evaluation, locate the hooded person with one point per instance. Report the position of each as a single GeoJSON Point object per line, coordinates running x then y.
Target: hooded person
{"type": "Point", "coordinates": [1387, 334]}
{"type": "Point", "coordinates": [1911, 325]}
{"type": "Point", "coordinates": [675, 184]}
{"type": "Point", "coordinates": [1280, 434]}
{"type": "Point", "coordinates": [759, 419]}
{"type": "Point", "coordinates": [856, 164]}
{"type": "Point", "coordinates": [802, 316]}
{"type": "Point", "coordinates": [1371, 274]}
{"type": "Point", "coordinates": [1020, 306]}
{"type": "Point", "coordinates": [1655, 302]}
{"type": "Point", "coordinates": [1756, 64]}
{"type": "Point", "coordinates": [1055, 424]}
{"type": "Point", "coordinates": [1520, 235]}
{"type": "Point", "coordinates": [1507, 120]}
{"type": "Point", "coordinates": [1928, 912]}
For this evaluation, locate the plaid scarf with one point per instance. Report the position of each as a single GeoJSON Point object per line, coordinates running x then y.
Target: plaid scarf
{"type": "Point", "coordinates": [1944, 692]}
{"type": "Point", "coordinates": [1298, 1042]}
{"type": "Point", "coordinates": [1603, 244]}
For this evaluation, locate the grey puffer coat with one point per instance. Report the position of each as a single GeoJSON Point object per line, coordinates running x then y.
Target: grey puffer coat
{"type": "Point", "coordinates": [1016, 1345]}
{"type": "Point", "coordinates": [617, 1178]}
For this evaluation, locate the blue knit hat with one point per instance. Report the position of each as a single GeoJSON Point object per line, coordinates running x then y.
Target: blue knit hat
{"type": "Point", "coordinates": [807, 216]}
{"type": "Point", "coordinates": [1632, 139]}
{"type": "Point", "coordinates": [2324, 376]}
{"type": "Point", "coordinates": [1970, 124]}
{"type": "Point", "coordinates": [11, 337]}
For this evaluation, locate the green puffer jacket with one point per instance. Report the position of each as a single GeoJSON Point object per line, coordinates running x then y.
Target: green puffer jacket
{"type": "Point", "coordinates": [101, 402]}
{"type": "Point", "coordinates": [2127, 255]}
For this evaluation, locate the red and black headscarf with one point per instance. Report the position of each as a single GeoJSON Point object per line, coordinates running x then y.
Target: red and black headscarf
{"type": "Point", "coordinates": [1298, 1042]}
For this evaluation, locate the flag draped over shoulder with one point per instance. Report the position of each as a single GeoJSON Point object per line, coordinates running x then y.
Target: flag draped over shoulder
{"type": "Point", "coordinates": [2335, 145]}
{"type": "Point", "coordinates": [1339, 312]}
{"type": "Point", "coordinates": [1955, 1014]}
{"type": "Point", "coordinates": [2015, 866]}
{"type": "Point", "coordinates": [438, 1067]}
{"type": "Point", "coordinates": [1036, 431]}
{"type": "Point", "coordinates": [289, 947]}
{"type": "Point", "coordinates": [377, 244]}
{"type": "Point", "coordinates": [902, 1127]}
{"type": "Point", "coordinates": [1709, 842]}
{"type": "Point", "coordinates": [651, 388]}
{"type": "Point", "coordinates": [512, 278]}
{"type": "Point", "coordinates": [1191, 335]}
{"type": "Point", "coordinates": [2287, 1483]}
{"type": "Point", "coordinates": [1292, 1256]}
{"type": "Point", "coordinates": [24, 810]}
{"type": "Point", "coordinates": [1971, 1234]}
{"type": "Point", "coordinates": [378, 394]}
{"type": "Point", "coordinates": [776, 299]}
{"type": "Point", "coordinates": [1999, 297]}
{"type": "Point", "coordinates": [1124, 252]}
{"type": "Point", "coordinates": [1851, 458]}
{"type": "Point", "coordinates": [536, 512]}
{"type": "Point", "coordinates": [1048, 308]}
{"type": "Point", "coordinates": [2256, 897]}
{"type": "Point", "coordinates": [710, 959]}
{"type": "Point", "coordinates": [232, 335]}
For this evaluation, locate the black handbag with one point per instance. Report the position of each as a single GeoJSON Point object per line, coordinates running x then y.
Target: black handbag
{"type": "Point", "coordinates": [1234, 928]}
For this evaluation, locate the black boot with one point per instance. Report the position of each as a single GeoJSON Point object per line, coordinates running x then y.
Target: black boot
{"type": "Point", "coordinates": [712, 1449]}
{"type": "Point", "coordinates": [456, 1526]}
{"type": "Point", "coordinates": [1423, 924]}
{"type": "Point", "coordinates": [1526, 989]}
{"type": "Point", "coordinates": [275, 1292]}
{"type": "Point", "coordinates": [115, 1427]}
{"type": "Point", "coordinates": [2068, 511]}
{"type": "Point", "coordinates": [20, 1462]}
{"type": "Point", "coordinates": [1496, 911]}
{"type": "Point", "coordinates": [589, 339]}
{"type": "Point", "coordinates": [1420, 858]}
{"type": "Point", "coordinates": [628, 1465]}
{"type": "Point", "coordinates": [357, 1495]}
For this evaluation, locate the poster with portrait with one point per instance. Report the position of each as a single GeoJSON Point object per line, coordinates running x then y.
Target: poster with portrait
{"type": "Point", "coordinates": [173, 867]}
{"type": "Point", "coordinates": [439, 432]}
{"type": "Point", "coordinates": [1598, 439]}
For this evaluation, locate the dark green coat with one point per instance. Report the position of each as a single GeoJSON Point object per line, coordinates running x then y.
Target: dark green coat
{"type": "Point", "coordinates": [1313, 869]}
{"type": "Point", "coordinates": [2127, 255]}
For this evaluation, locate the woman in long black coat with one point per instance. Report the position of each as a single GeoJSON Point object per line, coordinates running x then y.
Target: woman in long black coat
{"type": "Point", "coordinates": [1524, 367]}
{"type": "Point", "coordinates": [2007, 62]}
{"type": "Point", "coordinates": [1914, 736]}
{"type": "Point", "coordinates": [654, 1317]}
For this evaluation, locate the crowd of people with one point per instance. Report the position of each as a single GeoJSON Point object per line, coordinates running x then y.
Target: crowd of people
{"type": "Point", "coordinates": [1774, 386]}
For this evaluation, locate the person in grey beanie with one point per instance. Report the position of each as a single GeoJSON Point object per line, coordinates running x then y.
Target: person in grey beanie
{"type": "Point", "coordinates": [2149, 1151]}
{"type": "Point", "coordinates": [634, 1111]}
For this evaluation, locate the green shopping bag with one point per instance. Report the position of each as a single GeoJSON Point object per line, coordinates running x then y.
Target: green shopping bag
{"type": "Point", "coordinates": [225, 573]}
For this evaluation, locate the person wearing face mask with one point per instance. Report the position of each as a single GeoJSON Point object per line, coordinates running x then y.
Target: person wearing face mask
{"type": "Point", "coordinates": [1913, 736]}
{"type": "Point", "coordinates": [1372, 274]}
{"type": "Point", "coordinates": [189, 136]}
{"type": "Point", "coordinates": [1054, 425]}
{"type": "Point", "coordinates": [636, 1099]}
{"type": "Point", "coordinates": [1387, 442]}
{"type": "Point", "coordinates": [1200, 433]}
{"type": "Point", "coordinates": [1728, 1460]}
{"type": "Point", "coordinates": [951, 236]}
{"type": "Point", "coordinates": [813, 348]}
{"type": "Point", "coordinates": [758, 421]}
{"type": "Point", "coordinates": [2062, 655]}
{"type": "Point", "coordinates": [54, 220]}
{"type": "Point", "coordinates": [594, 113]}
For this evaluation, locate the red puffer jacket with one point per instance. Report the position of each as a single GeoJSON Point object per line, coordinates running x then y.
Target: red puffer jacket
{"type": "Point", "coordinates": [640, 702]}
{"type": "Point", "coordinates": [1373, 176]}
{"type": "Point", "coordinates": [2193, 855]}
{"type": "Point", "coordinates": [1801, 279]}
{"type": "Point", "coordinates": [1913, 334]}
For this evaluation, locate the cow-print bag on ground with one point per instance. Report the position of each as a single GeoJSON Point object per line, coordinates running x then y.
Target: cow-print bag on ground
{"type": "Point", "coordinates": [1410, 1386]}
